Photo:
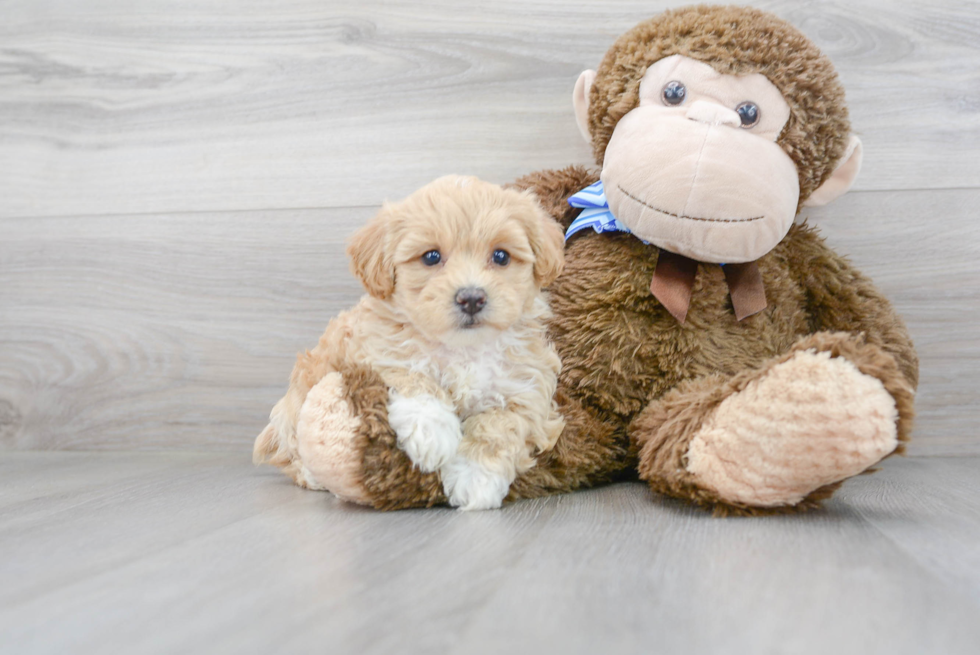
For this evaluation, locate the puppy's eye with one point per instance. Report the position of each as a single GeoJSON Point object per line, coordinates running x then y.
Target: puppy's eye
{"type": "Point", "coordinates": [431, 258]}
{"type": "Point", "coordinates": [501, 257]}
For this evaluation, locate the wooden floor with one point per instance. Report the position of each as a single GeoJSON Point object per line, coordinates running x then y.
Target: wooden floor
{"type": "Point", "coordinates": [177, 181]}
{"type": "Point", "coordinates": [201, 553]}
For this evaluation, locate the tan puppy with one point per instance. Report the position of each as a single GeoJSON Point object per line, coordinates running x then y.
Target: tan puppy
{"type": "Point", "coordinates": [454, 323]}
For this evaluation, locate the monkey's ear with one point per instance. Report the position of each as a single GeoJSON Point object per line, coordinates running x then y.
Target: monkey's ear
{"type": "Point", "coordinates": [841, 179]}
{"type": "Point", "coordinates": [580, 100]}
{"type": "Point", "coordinates": [368, 257]}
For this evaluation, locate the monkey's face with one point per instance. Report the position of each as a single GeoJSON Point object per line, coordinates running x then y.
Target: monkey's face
{"type": "Point", "coordinates": [696, 168]}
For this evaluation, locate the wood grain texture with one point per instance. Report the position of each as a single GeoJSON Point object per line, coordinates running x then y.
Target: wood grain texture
{"type": "Point", "coordinates": [921, 248]}
{"type": "Point", "coordinates": [134, 316]}
{"type": "Point", "coordinates": [177, 180]}
{"type": "Point", "coordinates": [179, 331]}
{"type": "Point", "coordinates": [178, 552]}
{"type": "Point", "coordinates": [161, 331]}
{"type": "Point", "coordinates": [159, 106]}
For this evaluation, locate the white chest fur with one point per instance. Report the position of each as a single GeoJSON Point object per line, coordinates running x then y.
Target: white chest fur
{"type": "Point", "coordinates": [479, 378]}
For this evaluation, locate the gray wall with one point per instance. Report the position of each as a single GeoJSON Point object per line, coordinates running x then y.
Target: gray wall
{"type": "Point", "coordinates": [177, 182]}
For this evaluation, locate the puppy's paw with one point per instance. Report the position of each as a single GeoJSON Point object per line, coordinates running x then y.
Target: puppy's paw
{"type": "Point", "coordinates": [428, 429]}
{"type": "Point", "coordinates": [469, 485]}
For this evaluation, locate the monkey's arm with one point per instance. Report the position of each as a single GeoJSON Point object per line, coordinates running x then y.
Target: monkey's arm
{"type": "Point", "coordinates": [363, 463]}
{"type": "Point", "coordinates": [591, 450]}
{"type": "Point", "coordinates": [553, 187]}
{"type": "Point", "coordinates": [840, 298]}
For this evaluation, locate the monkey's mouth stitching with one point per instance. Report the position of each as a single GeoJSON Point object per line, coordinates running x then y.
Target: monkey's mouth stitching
{"type": "Point", "coordinates": [689, 218]}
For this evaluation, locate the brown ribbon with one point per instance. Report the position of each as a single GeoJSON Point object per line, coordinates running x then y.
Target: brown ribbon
{"type": "Point", "coordinates": [673, 282]}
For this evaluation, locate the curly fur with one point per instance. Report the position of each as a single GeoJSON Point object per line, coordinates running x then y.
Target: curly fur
{"type": "Point", "coordinates": [636, 386]}
{"type": "Point", "coordinates": [622, 354]}
{"type": "Point", "coordinates": [496, 378]}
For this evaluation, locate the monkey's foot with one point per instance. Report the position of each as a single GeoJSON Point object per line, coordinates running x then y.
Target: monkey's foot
{"type": "Point", "coordinates": [781, 437]}
{"type": "Point", "coordinates": [807, 423]}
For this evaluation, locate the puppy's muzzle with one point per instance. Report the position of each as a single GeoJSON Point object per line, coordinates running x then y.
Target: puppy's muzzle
{"type": "Point", "coordinates": [471, 300]}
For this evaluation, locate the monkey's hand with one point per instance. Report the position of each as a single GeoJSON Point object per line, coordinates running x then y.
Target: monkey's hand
{"type": "Point", "coordinates": [346, 445]}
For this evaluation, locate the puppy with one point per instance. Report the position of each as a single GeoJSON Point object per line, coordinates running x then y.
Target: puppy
{"type": "Point", "coordinates": [454, 323]}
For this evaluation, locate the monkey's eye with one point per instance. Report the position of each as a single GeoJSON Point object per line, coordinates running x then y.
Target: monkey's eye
{"type": "Point", "coordinates": [431, 258]}
{"type": "Point", "coordinates": [749, 113]}
{"type": "Point", "coordinates": [501, 257]}
{"type": "Point", "coordinates": [674, 93]}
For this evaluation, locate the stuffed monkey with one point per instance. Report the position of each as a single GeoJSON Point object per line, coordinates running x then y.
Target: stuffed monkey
{"type": "Point", "coordinates": [710, 345]}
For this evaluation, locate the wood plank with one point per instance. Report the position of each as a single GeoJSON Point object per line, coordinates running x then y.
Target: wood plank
{"type": "Point", "coordinates": [206, 555]}
{"type": "Point", "coordinates": [921, 249]}
{"type": "Point", "coordinates": [928, 507]}
{"type": "Point", "coordinates": [677, 581]}
{"type": "Point", "coordinates": [179, 331]}
{"type": "Point", "coordinates": [342, 560]}
{"type": "Point", "coordinates": [66, 480]}
{"type": "Point", "coordinates": [161, 331]}
{"type": "Point", "coordinates": [162, 106]}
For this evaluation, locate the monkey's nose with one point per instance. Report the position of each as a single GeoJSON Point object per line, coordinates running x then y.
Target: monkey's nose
{"type": "Point", "coordinates": [712, 113]}
{"type": "Point", "coordinates": [471, 300]}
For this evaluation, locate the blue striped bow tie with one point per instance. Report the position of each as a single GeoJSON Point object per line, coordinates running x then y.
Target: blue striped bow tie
{"type": "Point", "coordinates": [595, 212]}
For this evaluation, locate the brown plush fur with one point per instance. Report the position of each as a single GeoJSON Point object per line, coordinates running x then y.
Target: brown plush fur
{"type": "Point", "coordinates": [589, 452]}
{"type": "Point", "coordinates": [620, 350]}
{"type": "Point", "coordinates": [636, 385]}
{"type": "Point", "coordinates": [738, 41]}
{"type": "Point", "coordinates": [389, 476]}
{"type": "Point", "coordinates": [664, 430]}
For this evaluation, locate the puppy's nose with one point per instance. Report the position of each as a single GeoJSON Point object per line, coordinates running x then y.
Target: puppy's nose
{"type": "Point", "coordinates": [471, 300]}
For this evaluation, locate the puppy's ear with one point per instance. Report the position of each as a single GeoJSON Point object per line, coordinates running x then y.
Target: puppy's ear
{"type": "Point", "coordinates": [548, 243]}
{"type": "Point", "coordinates": [369, 259]}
